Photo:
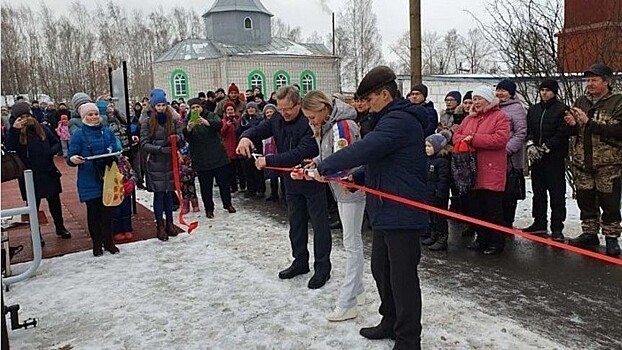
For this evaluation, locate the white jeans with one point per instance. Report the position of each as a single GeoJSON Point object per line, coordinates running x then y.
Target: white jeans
{"type": "Point", "coordinates": [351, 215]}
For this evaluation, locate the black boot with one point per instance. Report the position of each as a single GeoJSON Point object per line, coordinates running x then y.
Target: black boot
{"type": "Point", "coordinates": [468, 231]}
{"type": "Point", "coordinates": [441, 242]}
{"type": "Point", "coordinates": [97, 245]}
{"type": "Point", "coordinates": [63, 233]}
{"type": "Point", "coordinates": [293, 271]}
{"type": "Point", "coordinates": [170, 228]}
{"type": "Point", "coordinates": [160, 231]}
{"type": "Point", "coordinates": [109, 245]}
{"type": "Point", "coordinates": [585, 240]}
{"type": "Point", "coordinates": [430, 240]}
{"type": "Point", "coordinates": [536, 229]}
{"type": "Point", "coordinates": [381, 331]}
{"type": "Point", "coordinates": [557, 236]}
{"type": "Point", "coordinates": [613, 247]}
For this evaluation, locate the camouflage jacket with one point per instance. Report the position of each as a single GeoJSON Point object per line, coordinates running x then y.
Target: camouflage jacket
{"type": "Point", "coordinates": [599, 142]}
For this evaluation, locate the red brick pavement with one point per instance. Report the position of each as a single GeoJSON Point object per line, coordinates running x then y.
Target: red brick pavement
{"type": "Point", "coordinates": [74, 214]}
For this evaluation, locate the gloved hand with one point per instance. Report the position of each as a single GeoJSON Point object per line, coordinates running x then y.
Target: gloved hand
{"type": "Point", "coordinates": [534, 153]}
{"type": "Point", "coordinates": [165, 150]}
{"type": "Point", "coordinates": [545, 149]}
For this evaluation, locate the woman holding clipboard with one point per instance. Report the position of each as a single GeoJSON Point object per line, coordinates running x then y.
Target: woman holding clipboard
{"type": "Point", "coordinates": [91, 148]}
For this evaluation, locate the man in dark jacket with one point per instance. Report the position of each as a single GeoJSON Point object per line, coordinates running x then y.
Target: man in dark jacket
{"type": "Point", "coordinates": [305, 199]}
{"type": "Point", "coordinates": [547, 148]}
{"type": "Point", "coordinates": [394, 159]}
{"type": "Point", "coordinates": [418, 95]}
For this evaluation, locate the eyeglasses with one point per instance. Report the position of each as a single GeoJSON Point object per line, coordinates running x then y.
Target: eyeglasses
{"type": "Point", "coordinates": [451, 100]}
{"type": "Point", "coordinates": [287, 109]}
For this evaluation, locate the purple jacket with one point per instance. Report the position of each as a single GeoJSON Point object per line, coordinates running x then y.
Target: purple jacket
{"type": "Point", "coordinates": [517, 115]}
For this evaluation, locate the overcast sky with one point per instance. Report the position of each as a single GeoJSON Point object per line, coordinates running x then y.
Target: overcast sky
{"type": "Point", "coordinates": [314, 15]}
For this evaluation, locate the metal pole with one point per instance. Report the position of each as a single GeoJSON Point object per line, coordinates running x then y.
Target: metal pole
{"type": "Point", "coordinates": [33, 214]}
{"type": "Point", "coordinates": [415, 42]}
{"type": "Point", "coordinates": [128, 128]}
{"type": "Point", "coordinates": [334, 50]}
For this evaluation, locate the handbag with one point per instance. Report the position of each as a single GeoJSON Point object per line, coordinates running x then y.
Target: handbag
{"type": "Point", "coordinates": [12, 166]}
{"type": "Point", "coordinates": [463, 167]}
{"type": "Point", "coordinates": [515, 184]}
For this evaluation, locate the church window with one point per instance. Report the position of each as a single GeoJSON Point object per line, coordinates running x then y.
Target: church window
{"type": "Point", "coordinates": [179, 82]}
{"type": "Point", "coordinates": [256, 78]}
{"type": "Point", "coordinates": [307, 82]}
{"type": "Point", "coordinates": [248, 23]}
{"type": "Point", "coordinates": [281, 78]}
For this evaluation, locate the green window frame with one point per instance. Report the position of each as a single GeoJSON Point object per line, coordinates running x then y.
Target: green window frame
{"type": "Point", "coordinates": [179, 84]}
{"type": "Point", "coordinates": [257, 78]}
{"type": "Point", "coordinates": [308, 81]}
{"type": "Point", "coordinates": [280, 78]}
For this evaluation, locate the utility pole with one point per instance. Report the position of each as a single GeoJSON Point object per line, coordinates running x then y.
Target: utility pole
{"type": "Point", "coordinates": [415, 42]}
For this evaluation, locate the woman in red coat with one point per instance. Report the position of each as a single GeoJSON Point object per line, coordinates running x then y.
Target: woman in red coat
{"type": "Point", "coordinates": [230, 122]}
{"type": "Point", "coordinates": [487, 130]}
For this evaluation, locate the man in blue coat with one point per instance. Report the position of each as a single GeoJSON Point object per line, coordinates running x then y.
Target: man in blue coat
{"type": "Point", "coordinates": [305, 199]}
{"type": "Point", "coordinates": [393, 158]}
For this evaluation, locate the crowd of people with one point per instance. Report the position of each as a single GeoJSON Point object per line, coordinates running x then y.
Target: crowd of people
{"type": "Point", "coordinates": [469, 158]}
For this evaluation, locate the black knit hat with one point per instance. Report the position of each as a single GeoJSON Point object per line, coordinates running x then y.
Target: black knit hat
{"type": "Point", "coordinates": [421, 88]}
{"type": "Point", "coordinates": [550, 84]}
{"type": "Point", "coordinates": [202, 94]}
{"type": "Point", "coordinates": [20, 108]}
{"type": "Point", "coordinates": [195, 101]}
{"type": "Point", "coordinates": [507, 85]}
{"type": "Point", "coordinates": [468, 95]}
{"type": "Point", "coordinates": [374, 80]}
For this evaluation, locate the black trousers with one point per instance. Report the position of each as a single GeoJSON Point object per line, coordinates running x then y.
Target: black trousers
{"type": "Point", "coordinates": [236, 175]}
{"type": "Point", "coordinates": [549, 176]}
{"type": "Point", "coordinates": [99, 221]}
{"type": "Point", "coordinates": [301, 207]}
{"type": "Point", "coordinates": [56, 210]}
{"type": "Point", "coordinates": [255, 182]}
{"type": "Point", "coordinates": [395, 256]}
{"type": "Point", "coordinates": [206, 180]}
{"type": "Point", "coordinates": [488, 207]}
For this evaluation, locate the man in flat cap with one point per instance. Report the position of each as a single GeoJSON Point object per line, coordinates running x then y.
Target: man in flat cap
{"type": "Point", "coordinates": [596, 123]}
{"type": "Point", "coordinates": [393, 160]}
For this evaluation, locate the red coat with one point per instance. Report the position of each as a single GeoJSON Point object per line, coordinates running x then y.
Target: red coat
{"type": "Point", "coordinates": [491, 132]}
{"type": "Point", "coordinates": [229, 137]}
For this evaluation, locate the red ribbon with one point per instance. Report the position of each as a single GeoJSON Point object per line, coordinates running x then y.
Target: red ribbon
{"type": "Point", "coordinates": [193, 225]}
{"type": "Point", "coordinates": [447, 213]}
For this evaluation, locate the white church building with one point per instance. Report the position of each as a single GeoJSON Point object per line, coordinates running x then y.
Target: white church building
{"type": "Point", "coordinates": [239, 48]}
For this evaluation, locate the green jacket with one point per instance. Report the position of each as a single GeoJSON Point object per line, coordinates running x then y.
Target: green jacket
{"type": "Point", "coordinates": [206, 148]}
{"type": "Point", "coordinates": [599, 142]}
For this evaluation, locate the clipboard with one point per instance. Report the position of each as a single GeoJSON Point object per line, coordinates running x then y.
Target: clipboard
{"type": "Point", "coordinates": [105, 155]}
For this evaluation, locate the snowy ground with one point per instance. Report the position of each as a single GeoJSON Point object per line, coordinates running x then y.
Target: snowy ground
{"type": "Point", "coordinates": [218, 289]}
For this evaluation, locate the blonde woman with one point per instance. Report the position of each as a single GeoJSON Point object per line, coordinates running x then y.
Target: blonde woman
{"type": "Point", "coordinates": [334, 126]}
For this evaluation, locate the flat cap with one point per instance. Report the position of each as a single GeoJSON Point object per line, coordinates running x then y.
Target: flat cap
{"type": "Point", "coordinates": [599, 69]}
{"type": "Point", "coordinates": [374, 80]}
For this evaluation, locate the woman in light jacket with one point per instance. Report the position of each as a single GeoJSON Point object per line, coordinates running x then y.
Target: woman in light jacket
{"type": "Point", "coordinates": [334, 126]}
{"type": "Point", "coordinates": [515, 148]}
{"type": "Point", "coordinates": [487, 129]}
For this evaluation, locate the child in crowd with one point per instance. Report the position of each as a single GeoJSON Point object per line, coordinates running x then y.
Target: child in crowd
{"type": "Point", "coordinates": [63, 133]}
{"type": "Point", "coordinates": [438, 150]}
{"type": "Point", "coordinates": [187, 178]}
{"type": "Point", "coordinates": [122, 217]}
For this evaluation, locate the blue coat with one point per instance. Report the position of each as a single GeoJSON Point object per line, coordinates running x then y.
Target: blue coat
{"type": "Point", "coordinates": [89, 141]}
{"type": "Point", "coordinates": [393, 153]}
{"type": "Point", "coordinates": [432, 117]}
{"type": "Point", "coordinates": [294, 142]}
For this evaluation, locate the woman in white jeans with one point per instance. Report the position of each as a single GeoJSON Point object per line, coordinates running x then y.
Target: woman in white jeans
{"type": "Point", "coordinates": [334, 126]}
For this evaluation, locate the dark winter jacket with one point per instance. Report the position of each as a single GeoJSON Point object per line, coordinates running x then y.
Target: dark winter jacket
{"type": "Point", "coordinates": [599, 142]}
{"type": "Point", "coordinates": [295, 143]}
{"type": "Point", "coordinates": [365, 120]}
{"type": "Point", "coordinates": [39, 114]}
{"type": "Point", "coordinates": [206, 148]}
{"type": "Point", "coordinates": [247, 122]}
{"type": "Point", "coordinates": [439, 178]}
{"type": "Point", "coordinates": [545, 125]}
{"type": "Point", "coordinates": [90, 141]}
{"type": "Point", "coordinates": [395, 162]}
{"type": "Point", "coordinates": [159, 170]}
{"type": "Point", "coordinates": [38, 155]}
{"type": "Point", "coordinates": [432, 118]}
{"type": "Point", "coordinates": [208, 106]}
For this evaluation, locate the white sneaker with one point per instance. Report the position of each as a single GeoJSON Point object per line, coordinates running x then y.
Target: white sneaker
{"type": "Point", "coordinates": [360, 299]}
{"type": "Point", "coordinates": [340, 314]}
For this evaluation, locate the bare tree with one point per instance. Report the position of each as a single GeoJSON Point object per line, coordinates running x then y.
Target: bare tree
{"type": "Point", "coordinates": [314, 38]}
{"type": "Point", "coordinates": [401, 48]}
{"type": "Point", "coordinates": [358, 25]}
{"type": "Point", "coordinates": [281, 29]}
{"type": "Point", "coordinates": [431, 51]}
{"type": "Point", "coordinates": [475, 51]}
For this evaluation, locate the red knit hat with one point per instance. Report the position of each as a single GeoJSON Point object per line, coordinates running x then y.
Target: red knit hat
{"type": "Point", "coordinates": [229, 104]}
{"type": "Point", "coordinates": [233, 87]}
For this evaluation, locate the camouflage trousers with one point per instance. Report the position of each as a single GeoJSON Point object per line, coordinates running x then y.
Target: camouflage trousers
{"type": "Point", "coordinates": [598, 196]}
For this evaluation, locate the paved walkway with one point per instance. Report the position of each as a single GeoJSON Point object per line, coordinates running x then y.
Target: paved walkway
{"type": "Point", "coordinates": [74, 214]}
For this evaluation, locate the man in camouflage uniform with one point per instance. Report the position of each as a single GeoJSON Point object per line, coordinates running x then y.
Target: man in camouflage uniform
{"type": "Point", "coordinates": [596, 122]}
